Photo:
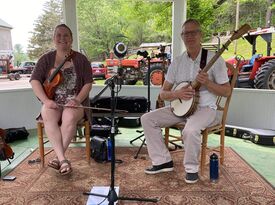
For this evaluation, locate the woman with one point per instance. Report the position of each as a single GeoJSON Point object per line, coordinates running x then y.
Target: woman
{"type": "Point", "coordinates": [62, 111]}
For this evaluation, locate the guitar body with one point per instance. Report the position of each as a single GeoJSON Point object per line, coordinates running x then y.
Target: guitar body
{"type": "Point", "coordinates": [6, 151]}
{"type": "Point", "coordinates": [55, 77]}
{"type": "Point", "coordinates": [184, 108]}
{"type": "Point", "coordinates": [50, 87]}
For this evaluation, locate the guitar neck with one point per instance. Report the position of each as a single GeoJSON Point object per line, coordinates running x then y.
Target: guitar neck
{"type": "Point", "coordinates": [195, 84]}
{"type": "Point", "coordinates": [56, 71]}
{"type": "Point", "coordinates": [59, 67]}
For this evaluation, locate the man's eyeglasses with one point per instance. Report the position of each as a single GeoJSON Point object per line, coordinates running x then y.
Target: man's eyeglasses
{"type": "Point", "coordinates": [190, 33]}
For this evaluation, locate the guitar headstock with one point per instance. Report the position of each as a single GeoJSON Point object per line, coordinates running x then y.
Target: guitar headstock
{"type": "Point", "coordinates": [240, 32]}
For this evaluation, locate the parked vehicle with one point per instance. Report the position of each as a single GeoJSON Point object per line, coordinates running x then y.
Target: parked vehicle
{"type": "Point", "coordinates": [99, 70]}
{"type": "Point", "coordinates": [25, 67]}
{"type": "Point", "coordinates": [6, 61]}
{"type": "Point", "coordinates": [134, 66]}
{"type": "Point", "coordinates": [258, 71]}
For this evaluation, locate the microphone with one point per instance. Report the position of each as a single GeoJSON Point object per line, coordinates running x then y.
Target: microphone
{"type": "Point", "coordinates": [120, 49]}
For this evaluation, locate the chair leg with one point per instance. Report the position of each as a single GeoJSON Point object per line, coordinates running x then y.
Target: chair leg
{"type": "Point", "coordinates": [87, 139]}
{"type": "Point", "coordinates": [222, 145]}
{"type": "Point", "coordinates": [203, 150]}
{"type": "Point", "coordinates": [166, 136]}
{"type": "Point", "coordinates": [40, 142]}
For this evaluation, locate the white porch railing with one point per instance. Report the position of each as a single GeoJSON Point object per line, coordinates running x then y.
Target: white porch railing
{"type": "Point", "coordinates": [250, 108]}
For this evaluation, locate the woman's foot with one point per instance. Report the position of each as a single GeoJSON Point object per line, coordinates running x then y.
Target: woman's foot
{"type": "Point", "coordinates": [65, 167]}
{"type": "Point", "coordinates": [54, 164]}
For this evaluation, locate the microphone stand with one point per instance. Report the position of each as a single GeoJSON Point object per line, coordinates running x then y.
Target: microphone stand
{"type": "Point", "coordinates": [112, 195]}
{"type": "Point", "coordinates": [148, 106]}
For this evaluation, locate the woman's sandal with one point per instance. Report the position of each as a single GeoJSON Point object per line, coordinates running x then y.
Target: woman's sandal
{"type": "Point", "coordinates": [65, 169]}
{"type": "Point", "coordinates": [54, 164]}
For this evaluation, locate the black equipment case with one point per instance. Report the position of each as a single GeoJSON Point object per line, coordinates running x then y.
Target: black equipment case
{"type": "Point", "coordinates": [257, 136]}
{"type": "Point", "coordinates": [132, 104]}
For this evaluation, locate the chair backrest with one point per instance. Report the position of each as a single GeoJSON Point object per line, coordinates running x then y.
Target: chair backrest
{"type": "Point", "coordinates": [223, 105]}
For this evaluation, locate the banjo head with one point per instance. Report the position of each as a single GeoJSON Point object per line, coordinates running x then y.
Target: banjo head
{"type": "Point", "coordinates": [181, 107]}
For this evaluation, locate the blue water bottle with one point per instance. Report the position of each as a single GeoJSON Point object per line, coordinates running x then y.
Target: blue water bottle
{"type": "Point", "coordinates": [214, 167]}
{"type": "Point", "coordinates": [109, 150]}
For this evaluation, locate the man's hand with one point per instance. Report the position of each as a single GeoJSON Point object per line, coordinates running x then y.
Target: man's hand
{"type": "Point", "coordinates": [202, 78]}
{"type": "Point", "coordinates": [184, 93]}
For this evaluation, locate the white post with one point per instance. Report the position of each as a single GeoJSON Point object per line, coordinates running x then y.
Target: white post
{"type": "Point", "coordinates": [179, 16]}
{"type": "Point", "coordinates": [70, 16]}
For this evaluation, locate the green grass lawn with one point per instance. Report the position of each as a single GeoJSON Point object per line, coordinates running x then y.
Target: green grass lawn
{"type": "Point", "coordinates": [245, 49]}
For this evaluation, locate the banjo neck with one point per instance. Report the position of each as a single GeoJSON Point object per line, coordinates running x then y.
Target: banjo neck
{"type": "Point", "coordinates": [195, 84]}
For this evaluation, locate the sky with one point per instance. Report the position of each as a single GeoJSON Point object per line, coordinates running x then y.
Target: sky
{"type": "Point", "coordinates": [21, 14]}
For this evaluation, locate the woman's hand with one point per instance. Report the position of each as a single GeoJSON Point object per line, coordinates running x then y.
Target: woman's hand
{"type": "Point", "coordinates": [73, 103]}
{"type": "Point", "coordinates": [51, 104]}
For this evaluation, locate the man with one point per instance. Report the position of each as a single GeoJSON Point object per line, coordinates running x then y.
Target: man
{"type": "Point", "coordinates": [214, 83]}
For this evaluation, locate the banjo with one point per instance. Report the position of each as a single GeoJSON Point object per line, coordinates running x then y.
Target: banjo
{"type": "Point", "coordinates": [185, 108]}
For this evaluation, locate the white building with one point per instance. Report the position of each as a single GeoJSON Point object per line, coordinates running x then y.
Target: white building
{"type": "Point", "coordinates": [5, 36]}
{"type": "Point", "coordinates": [5, 44]}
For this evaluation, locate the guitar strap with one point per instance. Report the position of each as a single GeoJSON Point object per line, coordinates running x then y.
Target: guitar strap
{"type": "Point", "coordinates": [203, 58]}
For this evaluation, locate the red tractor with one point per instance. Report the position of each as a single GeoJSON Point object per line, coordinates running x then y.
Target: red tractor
{"type": "Point", "coordinates": [259, 71]}
{"type": "Point", "coordinates": [135, 65]}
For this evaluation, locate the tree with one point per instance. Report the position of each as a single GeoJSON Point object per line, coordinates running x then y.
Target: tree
{"type": "Point", "coordinates": [19, 54]}
{"type": "Point", "coordinates": [203, 11]}
{"type": "Point", "coordinates": [99, 24]}
{"type": "Point", "coordinates": [268, 18]}
{"type": "Point", "coordinates": [41, 39]}
{"type": "Point", "coordinates": [102, 23]}
{"type": "Point", "coordinates": [254, 16]}
{"type": "Point", "coordinates": [148, 22]}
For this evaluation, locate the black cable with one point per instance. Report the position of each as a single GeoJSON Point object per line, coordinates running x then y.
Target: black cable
{"type": "Point", "coordinates": [103, 200]}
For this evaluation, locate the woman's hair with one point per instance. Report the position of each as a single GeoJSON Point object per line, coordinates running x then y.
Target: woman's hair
{"type": "Point", "coordinates": [64, 26]}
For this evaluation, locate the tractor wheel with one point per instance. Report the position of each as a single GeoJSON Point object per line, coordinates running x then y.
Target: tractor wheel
{"type": "Point", "coordinates": [155, 75]}
{"type": "Point", "coordinates": [265, 77]}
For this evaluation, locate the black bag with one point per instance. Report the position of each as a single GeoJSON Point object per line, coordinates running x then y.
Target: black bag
{"type": "Point", "coordinates": [100, 130]}
{"type": "Point", "coordinates": [101, 126]}
{"type": "Point", "coordinates": [99, 149]}
{"type": "Point", "coordinates": [132, 104]}
{"type": "Point", "coordinates": [129, 122]}
{"type": "Point", "coordinates": [13, 134]}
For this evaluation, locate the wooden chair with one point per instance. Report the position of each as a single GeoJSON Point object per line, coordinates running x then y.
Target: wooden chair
{"type": "Point", "coordinates": [219, 129]}
{"type": "Point", "coordinates": [41, 141]}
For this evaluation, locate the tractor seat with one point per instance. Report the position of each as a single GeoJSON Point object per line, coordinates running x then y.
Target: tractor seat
{"type": "Point", "coordinates": [249, 66]}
